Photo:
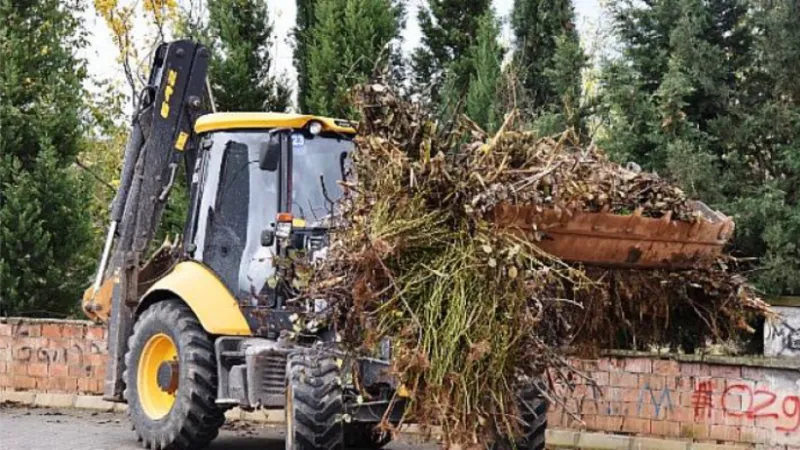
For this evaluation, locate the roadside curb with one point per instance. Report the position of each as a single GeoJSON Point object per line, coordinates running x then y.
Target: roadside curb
{"type": "Point", "coordinates": [556, 438]}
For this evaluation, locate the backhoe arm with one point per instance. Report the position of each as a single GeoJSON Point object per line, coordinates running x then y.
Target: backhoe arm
{"type": "Point", "coordinates": [162, 137]}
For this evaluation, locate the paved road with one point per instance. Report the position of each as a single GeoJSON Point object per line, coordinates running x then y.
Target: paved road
{"type": "Point", "coordinates": [48, 429]}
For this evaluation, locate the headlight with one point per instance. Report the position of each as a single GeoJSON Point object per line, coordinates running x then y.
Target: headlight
{"type": "Point", "coordinates": [315, 128]}
{"type": "Point", "coordinates": [283, 229]}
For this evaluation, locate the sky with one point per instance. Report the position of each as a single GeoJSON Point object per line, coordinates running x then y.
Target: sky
{"type": "Point", "coordinates": [101, 53]}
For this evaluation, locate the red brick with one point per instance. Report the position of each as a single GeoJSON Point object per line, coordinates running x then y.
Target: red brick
{"type": "Point", "coordinates": [601, 378]}
{"type": "Point", "coordinates": [687, 414]}
{"type": "Point", "coordinates": [724, 371]}
{"type": "Point", "coordinates": [749, 435]}
{"type": "Point", "coordinates": [666, 367]}
{"type": "Point", "coordinates": [641, 426]}
{"type": "Point", "coordinates": [5, 381]}
{"type": "Point", "coordinates": [630, 395]}
{"type": "Point", "coordinates": [622, 379]}
{"type": "Point", "coordinates": [753, 373]}
{"type": "Point", "coordinates": [57, 370]}
{"type": "Point", "coordinates": [695, 369]}
{"type": "Point", "coordinates": [5, 329]}
{"type": "Point", "coordinates": [724, 433]}
{"type": "Point", "coordinates": [100, 372]}
{"type": "Point", "coordinates": [694, 430]}
{"type": "Point", "coordinates": [95, 332]}
{"type": "Point", "coordinates": [73, 331]}
{"type": "Point", "coordinates": [588, 407]}
{"type": "Point", "coordinates": [96, 359]}
{"type": "Point", "coordinates": [652, 382]}
{"type": "Point", "coordinates": [37, 370]}
{"type": "Point", "coordinates": [19, 369]}
{"type": "Point", "coordinates": [51, 330]}
{"type": "Point", "coordinates": [608, 423]}
{"type": "Point", "coordinates": [23, 382]}
{"type": "Point", "coordinates": [589, 422]}
{"type": "Point", "coordinates": [84, 385]}
{"type": "Point", "coordinates": [3, 367]}
{"type": "Point", "coordinates": [32, 330]}
{"type": "Point", "coordinates": [639, 365]}
{"type": "Point", "coordinates": [665, 428]}
{"type": "Point", "coordinates": [80, 371]}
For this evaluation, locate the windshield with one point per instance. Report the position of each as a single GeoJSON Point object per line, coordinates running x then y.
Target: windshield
{"type": "Point", "coordinates": [318, 163]}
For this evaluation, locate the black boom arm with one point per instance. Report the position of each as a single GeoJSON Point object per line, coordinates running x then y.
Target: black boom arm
{"type": "Point", "coordinates": [162, 135]}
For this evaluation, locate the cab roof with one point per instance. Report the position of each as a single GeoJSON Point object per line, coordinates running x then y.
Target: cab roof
{"type": "Point", "coordinates": [242, 120]}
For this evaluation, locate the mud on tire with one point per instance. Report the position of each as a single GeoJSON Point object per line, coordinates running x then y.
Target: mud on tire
{"type": "Point", "coordinates": [193, 420]}
{"type": "Point", "coordinates": [313, 403]}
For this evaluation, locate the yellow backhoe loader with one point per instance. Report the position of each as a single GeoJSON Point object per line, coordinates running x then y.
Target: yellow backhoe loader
{"type": "Point", "coordinates": [202, 326]}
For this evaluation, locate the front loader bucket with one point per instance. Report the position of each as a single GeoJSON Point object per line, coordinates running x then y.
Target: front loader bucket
{"type": "Point", "coordinates": [607, 239]}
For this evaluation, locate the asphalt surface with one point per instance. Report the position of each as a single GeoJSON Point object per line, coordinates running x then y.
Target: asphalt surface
{"type": "Point", "coordinates": [46, 429]}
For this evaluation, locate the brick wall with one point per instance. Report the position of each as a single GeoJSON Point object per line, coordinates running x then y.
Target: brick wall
{"type": "Point", "coordinates": [735, 400]}
{"type": "Point", "coordinates": [52, 356]}
{"type": "Point", "coordinates": [727, 401]}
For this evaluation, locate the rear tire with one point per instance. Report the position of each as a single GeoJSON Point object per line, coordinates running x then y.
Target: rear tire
{"type": "Point", "coordinates": [191, 419]}
{"type": "Point", "coordinates": [533, 415]}
{"type": "Point", "coordinates": [314, 405]}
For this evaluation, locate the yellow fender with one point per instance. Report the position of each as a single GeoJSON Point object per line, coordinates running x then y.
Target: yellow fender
{"type": "Point", "coordinates": [212, 303]}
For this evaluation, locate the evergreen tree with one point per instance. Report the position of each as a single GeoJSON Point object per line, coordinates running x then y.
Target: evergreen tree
{"type": "Point", "coordinates": [761, 135]}
{"type": "Point", "coordinates": [543, 28]}
{"type": "Point", "coordinates": [448, 30]}
{"type": "Point", "coordinates": [485, 57]}
{"type": "Point", "coordinates": [44, 221]}
{"type": "Point", "coordinates": [240, 68]}
{"type": "Point", "coordinates": [304, 22]}
{"type": "Point", "coordinates": [705, 94]}
{"type": "Point", "coordinates": [349, 40]}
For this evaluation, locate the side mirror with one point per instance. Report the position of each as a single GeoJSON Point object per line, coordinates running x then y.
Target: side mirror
{"type": "Point", "coordinates": [269, 153]}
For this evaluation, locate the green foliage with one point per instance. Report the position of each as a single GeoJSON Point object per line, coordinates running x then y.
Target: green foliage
{"type": "Point", "coordinates": [706, 94]}
{"type": "Point", "coordinates": [304, 22]}
{"type": "Point", "coordinates": [44, 225]}
{"type": "Point", "coordinates": [485, 57]}
{"type": "Point", "coordinates": [448, 30]}
{"type": "Point", "coordinates": [546, 49]}
{"type": "Point", "coordinates": [348, 42]}
{"type": "Point", "coordinates": [240, 70]}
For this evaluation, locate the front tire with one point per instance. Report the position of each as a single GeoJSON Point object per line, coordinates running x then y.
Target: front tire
{"type": "Point", "coordinates": [171, 379]}
{"type": "Point", "coordinates": [314, 404]}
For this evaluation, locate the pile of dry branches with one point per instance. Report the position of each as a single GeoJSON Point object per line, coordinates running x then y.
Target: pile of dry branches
{"type": "Point", "coordinates": [473, 311]}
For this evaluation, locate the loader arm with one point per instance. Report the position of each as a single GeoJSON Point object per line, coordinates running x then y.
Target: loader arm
{"type": "Point", "coordinates": [162, 137]}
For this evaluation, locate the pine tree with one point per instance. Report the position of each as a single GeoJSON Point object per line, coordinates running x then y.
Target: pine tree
{"type": "Point", "coordinates": [305, 21]}
{"type": "Point", "coordinates": [349, 40]}
{"type": "Point", "coordinates": [448, 30]}
{"type": "Point", "coordinates": [762, 137]}
{"type": "Point", "coordinates": [706, 94]}
{"type": "Point", "coordinates": [240, 68]}
{"type": "Point", "coordinates": [485, 57]}
{"type": "Point", "coordinates": [44, 221]}
{"type": "Point", "coordinates": [541, 28]}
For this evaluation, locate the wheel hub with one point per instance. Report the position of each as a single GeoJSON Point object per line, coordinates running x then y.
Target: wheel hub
{"type": "Point", "coordinates": [167, 376]}
{"type": "Point", "coordinates": [157, 376]}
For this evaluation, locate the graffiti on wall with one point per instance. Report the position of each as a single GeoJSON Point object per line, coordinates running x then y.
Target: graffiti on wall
{"type": "Point", "coordinates": [75, 354]}
{"type": "Point", "coordinates": [743, 400]}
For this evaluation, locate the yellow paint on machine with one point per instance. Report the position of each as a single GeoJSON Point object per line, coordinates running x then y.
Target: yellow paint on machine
{"type": "Point", "coordinates": [245, 120]}
{"type": "Point", "coordinates": [212, 303]}
{"type": "Point", "coordinates": [181, 142]}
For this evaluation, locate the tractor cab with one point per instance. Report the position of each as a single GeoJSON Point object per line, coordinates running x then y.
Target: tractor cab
{"type": "Point", "coordinates": [264, 184]}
